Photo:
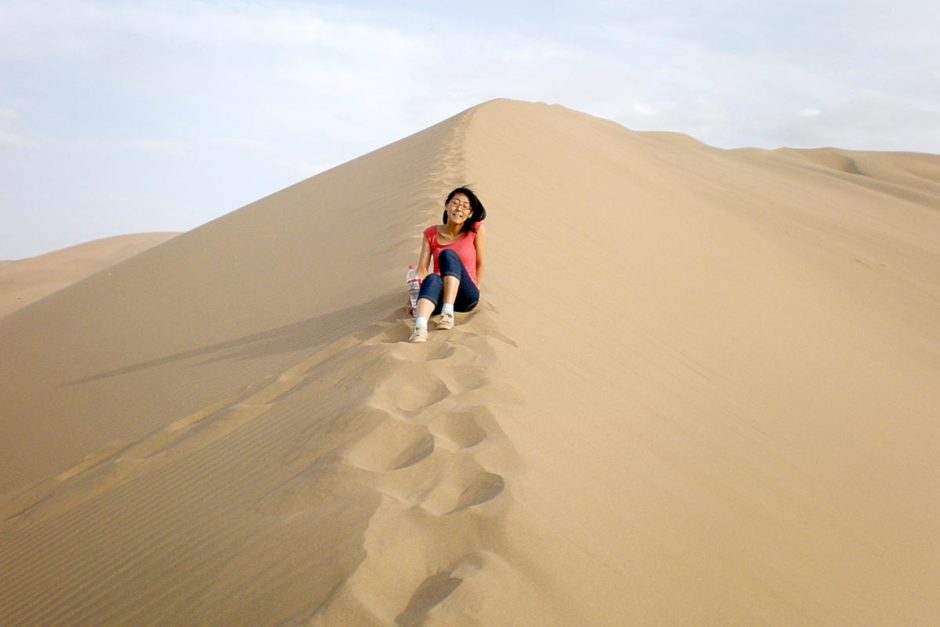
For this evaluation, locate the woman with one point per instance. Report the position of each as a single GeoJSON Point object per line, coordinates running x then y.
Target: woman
{"type": "Point", "coordinates": [458, 249]}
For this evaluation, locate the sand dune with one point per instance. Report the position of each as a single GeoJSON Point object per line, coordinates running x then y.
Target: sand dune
{"type": "Point", "coordinates": [701, 389]}
{"type": "Point", "coordinates": [25, 281]}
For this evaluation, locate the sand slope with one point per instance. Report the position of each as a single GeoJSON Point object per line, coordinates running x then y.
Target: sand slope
{"type": "Point", "coordinates": [27, 280]}
{"type": "Point", "coordinates": [701, 389]}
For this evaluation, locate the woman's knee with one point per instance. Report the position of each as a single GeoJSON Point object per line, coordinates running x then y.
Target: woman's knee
{"type": "Point", "coordinates": [449, 262]}
{"type": "Point", "coordinates": [431, 281]}
{"type": "Point", "coordinates": [431, 287]}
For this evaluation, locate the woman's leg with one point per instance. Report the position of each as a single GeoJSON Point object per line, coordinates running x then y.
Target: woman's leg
{"type": "Point", "coordinates": [459, 291]}
{"type": "Point", "coordinates": [425, 309]}
{"type": "Point", "coordinates": [452, 272]}
{"type": "Point", "coordinates": [429, 296]}
{"type": "Point", "coordinates": [428, 301]}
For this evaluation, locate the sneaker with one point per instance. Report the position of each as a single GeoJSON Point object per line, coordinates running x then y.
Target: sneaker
{"type": "Point", "coordinates": [420, 334]}
{"type": "Point", "coordinates": [446, 321]}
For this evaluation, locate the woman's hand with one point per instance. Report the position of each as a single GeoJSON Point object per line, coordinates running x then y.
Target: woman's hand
{"type": "Point", "coordinates": [424, 260]}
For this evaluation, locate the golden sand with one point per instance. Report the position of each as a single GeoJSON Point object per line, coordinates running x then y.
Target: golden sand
{"type": "Point", "coordinates": [25, 281]}
{"type": "Point", "coordinates": [701, 388]}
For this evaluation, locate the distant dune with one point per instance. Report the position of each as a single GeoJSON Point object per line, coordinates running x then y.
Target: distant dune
{"type": "Point", "coordinates": [701, 389]}
{"type": "Point", "coordinates": [28, 280]}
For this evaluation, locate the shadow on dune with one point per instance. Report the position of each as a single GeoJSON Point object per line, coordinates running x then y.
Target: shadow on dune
{"type": "Point", "coordinates": [307, 335]}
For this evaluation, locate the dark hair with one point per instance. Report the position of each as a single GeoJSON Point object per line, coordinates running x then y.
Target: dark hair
{"type": "Point", "coordinates": [477, 210]}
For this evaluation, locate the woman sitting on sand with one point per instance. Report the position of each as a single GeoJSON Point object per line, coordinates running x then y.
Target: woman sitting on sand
{"type": "Point", "coordinates": [458, 249]}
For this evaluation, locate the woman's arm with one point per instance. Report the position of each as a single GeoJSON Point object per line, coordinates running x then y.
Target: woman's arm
{"type": "Point", "coordinates": [424, 260]}
{"type": "Point", "coordinates": [480, 242]}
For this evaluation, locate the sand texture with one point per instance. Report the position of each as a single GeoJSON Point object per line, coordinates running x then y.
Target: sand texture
{"type": "Point", "coordinates": [702, 388]}
{"type": "Point", "coordinates": [25, 281]}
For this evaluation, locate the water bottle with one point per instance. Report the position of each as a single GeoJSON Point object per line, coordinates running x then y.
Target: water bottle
{"type": "Point", "coordinates": [414, 286]}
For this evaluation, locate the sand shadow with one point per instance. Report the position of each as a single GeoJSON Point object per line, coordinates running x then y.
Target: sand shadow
{"type": "Point", "coordinates": [307, 335]}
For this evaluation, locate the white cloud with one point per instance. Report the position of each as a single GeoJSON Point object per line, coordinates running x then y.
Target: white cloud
{"type": "Point", "coordinates": [161, 146]}
{"type": "Point", "coordinates": [9, 139]}
{"type": "Point", "coordinates": [10, 134]}
{"type": "Point", "coordinates": [809, 112]}
{"type": "Point", "coordinates": [334, 76]}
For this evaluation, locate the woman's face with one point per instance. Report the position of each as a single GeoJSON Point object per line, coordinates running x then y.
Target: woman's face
{"type": "Point", "coordinates": [458, 209]}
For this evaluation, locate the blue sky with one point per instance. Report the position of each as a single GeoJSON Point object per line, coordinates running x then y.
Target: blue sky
{"type": "Point", "coordinates": [123, 117]}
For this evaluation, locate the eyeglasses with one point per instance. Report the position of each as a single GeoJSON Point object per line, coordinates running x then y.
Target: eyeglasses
{"type": "Point", "coordinates": [459, 204]}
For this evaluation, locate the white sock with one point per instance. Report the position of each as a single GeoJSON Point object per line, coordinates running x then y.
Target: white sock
{"type": "Point", "coordinates": [421, 323]}
{"type": "Point", "coordinates": [448, 309]}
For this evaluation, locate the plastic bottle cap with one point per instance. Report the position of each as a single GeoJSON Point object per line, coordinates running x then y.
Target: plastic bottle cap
{"type": "Point", "coordinates": [411, 266]}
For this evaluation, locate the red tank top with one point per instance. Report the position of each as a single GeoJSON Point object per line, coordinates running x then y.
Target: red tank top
{"type": "Point", "coordinates": [465, 247]}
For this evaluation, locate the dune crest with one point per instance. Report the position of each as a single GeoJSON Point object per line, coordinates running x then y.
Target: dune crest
{"type": "Point", "coordinates": [25, 281]}
{"type": "Point", "coordinates": [700, 388]}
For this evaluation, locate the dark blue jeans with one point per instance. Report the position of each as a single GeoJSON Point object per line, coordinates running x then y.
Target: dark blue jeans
{"type": "Point", "coordinates": [432, 287]}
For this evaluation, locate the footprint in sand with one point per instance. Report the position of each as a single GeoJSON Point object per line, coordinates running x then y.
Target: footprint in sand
{"type": "Point", "coordinates": [412, 388]}
{"type": "Point", "coordinates": [455, 352]}
{"type": "Point", "coordinates": [434, 590]}
{"type": "Point", "coordinates": [463, 427]}
{"type": "Point", "coordinates": [392, 445]}
{"type": "Point", "coordinates": [411, 352]}
{"type": "Point", "coordinates": [465, 488]}
{"type": "Point", "coordinates": [437, 352]}
{"type": "Point", "coordinates": [409, 391]}
{"type": "Point", "coordinates": [467, 378]}
{"type": "Point", "coordinates": [480, 489]}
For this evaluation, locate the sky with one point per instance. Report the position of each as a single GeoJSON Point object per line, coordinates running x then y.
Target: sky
{"type": "Point", "coordinates": [127, 117]}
